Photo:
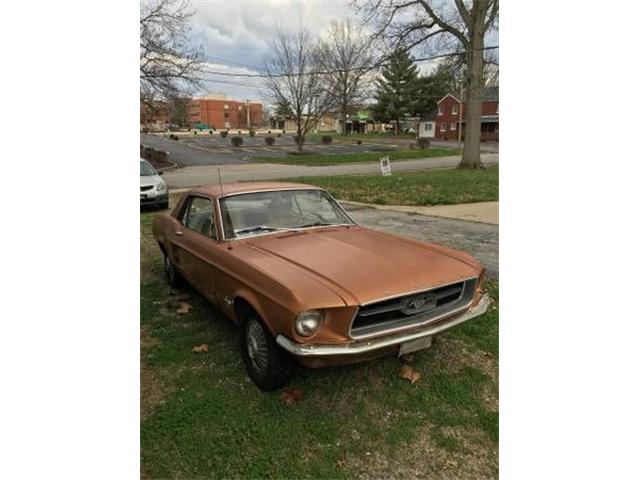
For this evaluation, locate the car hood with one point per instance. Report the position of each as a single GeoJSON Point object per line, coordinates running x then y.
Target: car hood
{"type": "Point", "coordinates": [146, 180]}
{"type": "Point", "coordinates": [363, 265]}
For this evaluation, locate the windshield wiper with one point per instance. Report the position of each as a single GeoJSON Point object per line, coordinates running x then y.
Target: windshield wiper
{"type": "Point", "coordinates": [260, 228]}
{"type": "Point", "coordinates": [318, 224]}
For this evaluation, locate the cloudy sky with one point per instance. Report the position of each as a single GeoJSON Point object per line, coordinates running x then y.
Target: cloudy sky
{"type": "Point", "coordinates": [235, 36]}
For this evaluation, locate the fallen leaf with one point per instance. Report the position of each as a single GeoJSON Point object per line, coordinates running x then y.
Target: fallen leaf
{"type": "Point", "coordinates": [183, 296]}
{"type": "Point", "coordinates": [410, 373]}
{"type": "Point", "coordinates": [450, 463]}
{"type": "Point", "coordinates": [184, 308]}
{"type": "Point", "coordinates": [340, 463]}
{"type": "Point", "coordinates": [291, 396]}
{"type": "Point", "coordinates": [204, 348]}
{"type": "Point", "coordinates": [408, 358]}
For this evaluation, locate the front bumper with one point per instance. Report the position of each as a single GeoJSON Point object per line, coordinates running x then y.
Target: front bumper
{"type": "Point", "coordinates": [159, 199]}
{"type": "Point", "coordinates": [383, 344]}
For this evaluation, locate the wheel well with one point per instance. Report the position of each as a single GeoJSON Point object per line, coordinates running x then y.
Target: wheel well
{"type": "Point", "coordinates": [242, 309]}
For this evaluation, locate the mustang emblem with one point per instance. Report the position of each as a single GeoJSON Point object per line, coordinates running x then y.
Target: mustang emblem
{"type": "Point", "coordinates": [419, 304]}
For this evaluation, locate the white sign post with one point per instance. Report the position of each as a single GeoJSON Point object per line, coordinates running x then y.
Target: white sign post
{"type": "Point", "coordinates": [385, 166]}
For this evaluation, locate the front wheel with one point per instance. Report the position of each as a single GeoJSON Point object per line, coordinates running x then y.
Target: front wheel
{"type": "Point", "coordinates": [267, 364]}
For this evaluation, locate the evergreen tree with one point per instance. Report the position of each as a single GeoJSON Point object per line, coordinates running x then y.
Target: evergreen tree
{"type": "Point", "coordinates": [432, 88]}
{"type": "Point", "coordinates": [396, 88]}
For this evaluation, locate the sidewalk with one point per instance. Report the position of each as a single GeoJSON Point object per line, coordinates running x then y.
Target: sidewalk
{"type": "Point", "coordinates": [208, 174]}
{"type": "Point", "coordinates": [482, 212]}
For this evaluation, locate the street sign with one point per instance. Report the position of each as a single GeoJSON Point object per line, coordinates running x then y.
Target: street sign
{"type": "Point", "coordinates": [385, 166]}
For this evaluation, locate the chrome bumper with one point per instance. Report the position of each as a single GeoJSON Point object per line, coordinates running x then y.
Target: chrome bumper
{"type": "Point", "coordinates": [383, 342]}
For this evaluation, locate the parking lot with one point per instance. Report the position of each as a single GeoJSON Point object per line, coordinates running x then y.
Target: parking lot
{"type": "Point", "coordinates": [211, 149]}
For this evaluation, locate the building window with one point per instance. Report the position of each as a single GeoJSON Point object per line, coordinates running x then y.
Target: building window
{"type": "Point", "coordinates": [427, 127]}
{"type": "Point", "coordinates": [454, 109]}
{"type": "Point", "coordinates": [443, 127]}
{"type": "Point", "coordinates": [226, 114]}
{"type": "Point", "coordinates": [440, 110]}
{"type": "Point", "coordinates": [226, 107]}
{"type": "Point", "coordinates": [453, 125]}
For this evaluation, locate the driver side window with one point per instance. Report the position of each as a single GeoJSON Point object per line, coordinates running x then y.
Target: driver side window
{"type": "Point", "coordinates": [199, 216]}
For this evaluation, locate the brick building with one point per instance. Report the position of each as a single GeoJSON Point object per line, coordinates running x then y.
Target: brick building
{"type": "Point", "coordinates": [216, 111]}
{"type": "Point", "coordinates": [450, 109]}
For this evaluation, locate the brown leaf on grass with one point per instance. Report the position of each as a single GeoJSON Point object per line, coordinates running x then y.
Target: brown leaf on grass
{"type": "Point", "coordinates": [410, 373]}
{"type": "Point", "coordinates": [182, 296]}
{"type": "Point", "coordinates": [340, 463]}
{"type": "Point", "coordinates": [450, 463]}
{"type": "Point", "coordinates": [204, 348]}
{"type": "Point", "coordinates": [291, 396]}
{"type": "Point", "coordinates": [184, 308]}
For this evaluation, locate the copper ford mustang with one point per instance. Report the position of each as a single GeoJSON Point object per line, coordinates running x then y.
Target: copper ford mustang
{"type": "Point", "coordinates": [304, 281]}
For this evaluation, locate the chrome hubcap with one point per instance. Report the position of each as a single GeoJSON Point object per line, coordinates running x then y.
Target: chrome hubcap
{"type": "Point", "coordinates": [257, 346]}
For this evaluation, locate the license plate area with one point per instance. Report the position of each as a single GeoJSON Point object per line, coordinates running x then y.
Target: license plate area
{"type": "Point", "coordinates": [414, 345]}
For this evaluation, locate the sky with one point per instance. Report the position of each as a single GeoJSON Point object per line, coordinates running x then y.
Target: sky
{"type": "Point", "coordinates": [235, 36]}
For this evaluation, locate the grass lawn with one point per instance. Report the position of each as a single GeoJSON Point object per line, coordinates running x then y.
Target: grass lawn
{"type": "Point", "coordinates": [433, 187]}
{"type": "Point", "coordinates": [329, 159]}
{"type": "Point", "coordinates": [202, 417]}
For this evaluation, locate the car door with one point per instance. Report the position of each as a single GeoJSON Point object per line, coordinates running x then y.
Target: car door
{"type": "Point", "coordinates": [193, 243]}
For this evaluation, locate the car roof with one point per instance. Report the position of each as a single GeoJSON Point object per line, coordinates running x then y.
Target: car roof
{"type": "Point", "coordinates": [245, 187]}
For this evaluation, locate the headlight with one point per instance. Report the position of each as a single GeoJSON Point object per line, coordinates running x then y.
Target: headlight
{"type": "Point", "coordinates": [308, 323]}
{"type": "Point", "coordinates": [162, 187]}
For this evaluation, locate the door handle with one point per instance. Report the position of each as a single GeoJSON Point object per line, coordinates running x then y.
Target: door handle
{"type": "Point", "coordinates": [179, 232]}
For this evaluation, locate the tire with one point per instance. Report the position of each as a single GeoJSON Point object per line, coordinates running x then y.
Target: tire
{"type": "Point", "coordinates": [164, 206]}
{"type": "Point", "coordinates": [268, 366]}
{"type": "Point", "coordinates": [174, 279]}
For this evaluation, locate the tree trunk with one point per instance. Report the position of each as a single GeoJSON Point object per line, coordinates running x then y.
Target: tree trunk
{"type": "Point", "coordinates": [299, 142]}
{"type": "Point", "coordinates": [398, 126]}
{"type": "Point", "coordinates": [344, 121]}
{"type": "Point", "coordinates": [475, 91]}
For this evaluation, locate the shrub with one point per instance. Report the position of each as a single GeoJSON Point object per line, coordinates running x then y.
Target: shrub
{"type": "Point", "coordinates": [299, 139]}
{"type": "Point", "coordinates": [236, 141]}
{"type": "Point", "coordinates": [279, 135]}
{"type": "Point", "coordinates": [224, 133]}
{"type": "Point", "coordinates": [239, 132]}
{"type": "Point", "coordinates": [359, 142]}
{"type": "Point", "coordinates": [195, 132]}
{"type": "Point", "coordinates": [252, 133]}
{"type": "Point", "coordinates": [269, 140]}
{"type": "Point", "coordinates": [145, 130]}
{"type": "Point", "coordinates": [210, 132]}
{"type": "Point", "coordinates": [423, 143]}
{"type": "Point", "coordinates": [326, 139]}
{"type": "Point", "coordinates": [173, 136]}
{"type": "Point", "coordinates": [284, 131]}
{"type": "Point", "coordinates": [269, 132]}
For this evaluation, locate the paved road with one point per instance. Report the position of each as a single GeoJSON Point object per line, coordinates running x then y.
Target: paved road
{"type": "Point", "coordinates": [181, 154]}
{"type": "Point", "coordinates": [205, 175]}
{"type": "Point", "coordinates": [477, 239]}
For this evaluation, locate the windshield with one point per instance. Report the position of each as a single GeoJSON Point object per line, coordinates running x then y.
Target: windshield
{"type": "Point", "coordinates": [250, 214]}
{"type": "Point", "coordinates": [146, 169]}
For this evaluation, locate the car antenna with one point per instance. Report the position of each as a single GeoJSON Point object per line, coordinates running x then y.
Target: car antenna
{"type": "Point", "coordinates": [220, 180]}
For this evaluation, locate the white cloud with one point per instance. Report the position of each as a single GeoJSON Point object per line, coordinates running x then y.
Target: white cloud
{"type": "Point", "coordinates": [239, 32]}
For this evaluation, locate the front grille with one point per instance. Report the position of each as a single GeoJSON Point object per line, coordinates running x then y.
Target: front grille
{"type": "Point", "coordinates": [413, 309]}
{"type": "Point", "coordinates": [146, 187]}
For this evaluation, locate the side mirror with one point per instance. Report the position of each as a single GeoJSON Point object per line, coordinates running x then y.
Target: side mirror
{"type": "Point", "coordinates": [160, 173]}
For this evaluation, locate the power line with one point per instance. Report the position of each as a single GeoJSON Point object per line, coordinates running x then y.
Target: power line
{"type": "Point", "coordinates": [327, 72]}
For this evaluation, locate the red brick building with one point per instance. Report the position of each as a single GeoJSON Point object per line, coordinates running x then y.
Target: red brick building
{"type": "Point", "coordinates": [450, 109]}
{"type": "Point", "coordinates": [216, 111]}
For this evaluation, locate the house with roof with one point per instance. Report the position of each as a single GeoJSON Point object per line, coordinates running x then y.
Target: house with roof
{"type": "Point", "coordinates": [448, 119]}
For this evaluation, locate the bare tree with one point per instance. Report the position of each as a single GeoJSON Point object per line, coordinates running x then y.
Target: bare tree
{"type": "Point", "coordinates": [348, 54]}
{"type": "Point", "coordinates": [168, 66]}
{"type": "Point", "coordinates": [295, 82]}
{"type": "Point", "coordinates": [455, 26]}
